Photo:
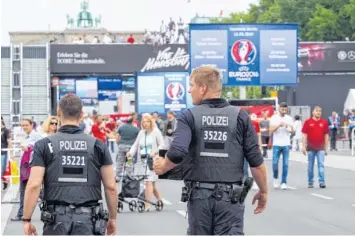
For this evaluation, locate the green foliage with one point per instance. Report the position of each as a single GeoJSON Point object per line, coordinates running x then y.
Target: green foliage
{"type": "Point", "coordinates": [318, 20]}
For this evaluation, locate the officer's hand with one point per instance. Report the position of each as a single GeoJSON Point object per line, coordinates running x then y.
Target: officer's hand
{"type": "Point", "coordinates": [128, 154]}
{"type": "Point", "coordinates": [111, 227]}
{"type": "Point", "coordinates": [262, 200]}
{"type": "Point", "coordinates": [158, 166]}
{"type": "Point", "coordinates": [29, 229]}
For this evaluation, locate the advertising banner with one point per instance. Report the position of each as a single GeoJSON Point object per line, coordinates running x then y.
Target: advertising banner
{"type": "Point", "coordinates": [117, 58]}
{"type": "Point", "coordinates": [108, 88]}
{"type": "Point", "coordinates": [326, 57]}
{"type": "Point", "coordinates": [107, 95]}
{"type": "Point", "coordinates": [175, 92]}
{"type": "Point", "coordinates": [247, 54]}
{"type": "Point", "coordinates": [162, 92]}
{"type": "Point", "coordinates": [128, 84]}
{"type": "Point", "coordinates": [108, 83]}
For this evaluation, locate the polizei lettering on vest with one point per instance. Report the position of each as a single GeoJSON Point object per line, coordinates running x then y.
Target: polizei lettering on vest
{"type": "Point", "coordinates": [73, 145]}
{"type": "Point", "coordinates": [215, 120]}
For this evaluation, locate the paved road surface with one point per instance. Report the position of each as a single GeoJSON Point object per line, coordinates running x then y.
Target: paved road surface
{"type": "Point", "coordinates": [295, 211]}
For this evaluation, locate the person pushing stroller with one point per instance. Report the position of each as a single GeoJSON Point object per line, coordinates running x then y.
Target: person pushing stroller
{"type": "Point", "coordinates": [147, 145]}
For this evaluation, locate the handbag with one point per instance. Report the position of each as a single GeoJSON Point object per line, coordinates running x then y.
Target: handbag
{"type": "Point", "coordinates": [150, 163]}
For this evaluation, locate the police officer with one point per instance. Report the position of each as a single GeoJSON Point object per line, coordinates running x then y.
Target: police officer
{"type": "Point", "coordinates": [211, 141]}
{"type": "Point", "coordinates": [71, 166]}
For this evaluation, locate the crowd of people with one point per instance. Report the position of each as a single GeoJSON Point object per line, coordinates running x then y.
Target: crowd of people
{"type": "Point", "coordinates": [139, 142]}
{"type": "Point", "coordinates": [169, 33]}
{"type": "Point", "coordinates": [313, 137]}
{"type": "Point", "coordinates": [214, 137]}
{"type": "Point", "coordinates": [136, 141]}
{"type": "Point", "coordinates": [105, 39]}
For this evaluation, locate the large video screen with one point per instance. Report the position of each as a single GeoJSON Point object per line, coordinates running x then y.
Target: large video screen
{"type": "Point", "coordinates": [247, 54]}
{"type": "Point", "coordinates": [94, 89]}
{"type": "Point", "coordinates": [162, 92]}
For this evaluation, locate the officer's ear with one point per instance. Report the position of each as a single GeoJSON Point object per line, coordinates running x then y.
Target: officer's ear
{"type": "Point", "coordinates": [59, 112]}
{"type": "Point", "coordinates": [81, 115]}
{"type": "Point", "coordinates": [203, 89]}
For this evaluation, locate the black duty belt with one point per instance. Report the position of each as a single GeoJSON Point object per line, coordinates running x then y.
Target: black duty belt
{"type": "Point", "coordinates": [212, 186]}
{"type": "Point", "coordinates": [71, 208]}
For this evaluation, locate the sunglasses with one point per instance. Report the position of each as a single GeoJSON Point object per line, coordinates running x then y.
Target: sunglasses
{"type": "Point", "coordinates": [52, 123]}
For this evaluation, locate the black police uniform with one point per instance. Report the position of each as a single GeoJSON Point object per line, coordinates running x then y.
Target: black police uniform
{"type": "Point", "coordinates": [211, 141]}
{"type": "Point", "coordinates": [72, 180]}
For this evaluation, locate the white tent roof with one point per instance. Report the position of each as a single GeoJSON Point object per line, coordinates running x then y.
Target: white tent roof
{"type": "Point", "coordinates": [350, 100]}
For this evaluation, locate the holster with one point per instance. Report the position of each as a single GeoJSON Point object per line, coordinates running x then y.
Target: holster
{"type": "Point", "coordinates": [239, 193]}
{"type": "Point", "coordinates": [100, 218]}
{"type": "Point", "coordinates": [186, 192]}
{"type": "Point", "coordinates": [46, 215]}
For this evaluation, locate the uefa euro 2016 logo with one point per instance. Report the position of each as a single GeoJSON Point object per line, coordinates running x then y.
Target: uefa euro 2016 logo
{"type": "Point", "coordinates": [175, 91]}
{"type": "Point", "coordinates": [243, 52]}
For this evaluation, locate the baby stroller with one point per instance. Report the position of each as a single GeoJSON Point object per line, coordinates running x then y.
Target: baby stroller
{"type": "Point", "coordinates": [133, 187]}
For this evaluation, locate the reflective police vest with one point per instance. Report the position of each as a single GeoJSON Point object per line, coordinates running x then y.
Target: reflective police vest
{"type": "Point", "coordinates": [74, 175]}
{"type": "Point", "coordinates": [215, 155]}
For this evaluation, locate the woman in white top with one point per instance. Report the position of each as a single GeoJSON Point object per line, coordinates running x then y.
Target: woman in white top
{"type": "Point", "coordinates": [147, 145]}
{"type": "Point", "coordinates": [50, 126]}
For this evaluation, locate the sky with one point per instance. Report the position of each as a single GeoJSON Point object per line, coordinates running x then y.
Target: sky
{"type": "Point", "coordinates": [129, 15]}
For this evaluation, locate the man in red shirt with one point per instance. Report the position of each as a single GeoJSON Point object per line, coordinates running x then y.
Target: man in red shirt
{"type": "Point", "coordinates": [130, 39]}
{"type": "Point", "coordinates": [315, 143]}
{"type": "Point", "coordinates": [98, 130]}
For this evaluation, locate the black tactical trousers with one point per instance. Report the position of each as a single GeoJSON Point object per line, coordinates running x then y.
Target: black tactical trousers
{"type": "Point", "coordinates": [207, 216]}
{"type": "Point", "coordinates": [69, 222]}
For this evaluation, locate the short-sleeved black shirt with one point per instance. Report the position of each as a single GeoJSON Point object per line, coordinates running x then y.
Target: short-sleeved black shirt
{"type": "Point", "coordinates": [246, 135]}
{"type": "Point", "coordinates": [43, 157]}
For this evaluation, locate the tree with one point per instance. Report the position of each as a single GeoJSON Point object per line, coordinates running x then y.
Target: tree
{"type": "Point", "coordinates": [348, 17]}
{"type": "Point", "coordinates": [337, 17]}
{"type": "Point", "coordinates": [323, 24]}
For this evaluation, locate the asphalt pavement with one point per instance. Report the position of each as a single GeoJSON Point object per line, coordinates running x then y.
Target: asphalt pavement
{"type": "Point", "coordinates": [296, 211]}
